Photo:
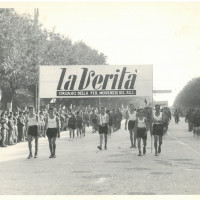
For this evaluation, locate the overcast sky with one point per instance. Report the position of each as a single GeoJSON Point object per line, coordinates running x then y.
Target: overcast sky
{"type": "Point", "coordinates": [166, 35]}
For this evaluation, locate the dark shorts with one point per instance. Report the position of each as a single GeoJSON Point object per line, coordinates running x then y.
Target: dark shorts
{"type": "Point", "coordinates": [33, 131]}
{"type": "Point", "coordinates": [111, 123]}
{"type": "Point", "coordinates": [141, 133]}
{"type": "Point", "coordinates": [103, 129]}
{"type": "Point", "coordinates": [72, 126]}
{"type": "Point", "coordinates": [52, 132]}
{"type": "Point", "coordinates": [94, 121]}
{"type": "Point", "coordinates": [158, 129]}
{"type": "Point", "coordinates": [79, 126]}
{"type": "Point", "coordinates": [131, 125]}
{"type": "Point", "coordinates": [165, 124]}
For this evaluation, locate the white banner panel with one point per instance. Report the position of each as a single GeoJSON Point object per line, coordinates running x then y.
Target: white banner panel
{"type": "Point", "coordinates": [78, 81]}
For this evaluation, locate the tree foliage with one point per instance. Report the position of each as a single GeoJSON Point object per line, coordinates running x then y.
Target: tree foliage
{"type": "Point", "coordinates": [25, 44]}
{"type": "Point", "coordinates": [190, 95]}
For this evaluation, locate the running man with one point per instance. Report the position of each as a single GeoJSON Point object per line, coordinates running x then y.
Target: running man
{"type": "Point", "coordinates": [131, 116]}
{"type": "Point", "coordinates": [53, 129]}
{"type": "Point", "coordinates": [157, 129]}
{"type": "Point", "coordinates": [103, 120]}
{"type": "Point", "coordinates": [32, 127]}
{"type": "Point", "coordinates": [141, 127]}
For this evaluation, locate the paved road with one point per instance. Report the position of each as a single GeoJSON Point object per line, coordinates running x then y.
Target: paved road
{"type": "Point", "coordinates": [82, 169]}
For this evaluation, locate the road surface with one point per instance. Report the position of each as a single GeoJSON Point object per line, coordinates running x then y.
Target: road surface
{"type": "Point", "coordinates": [80, 168]}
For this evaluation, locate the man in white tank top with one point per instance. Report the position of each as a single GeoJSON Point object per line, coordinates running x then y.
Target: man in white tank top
{"type": "Point", "coordinates": [131, 116]}
{"type": "Point", "coordinates": [103, 120]}
{"type": "Point", "coordinates": [32, 127]}
{"type": "Point", "coordinates": [52, 131]}
{"type": "Point", "coordinates": [141, 127]}
{"type": "Point", "coordinates": [158, 129]}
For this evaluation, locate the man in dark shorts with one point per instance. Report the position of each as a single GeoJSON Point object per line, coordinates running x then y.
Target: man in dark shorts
{"type": "Point", "coordinates": [103, 120]}
{"type": "Point", "coordinates": [52, 130]}
{"type": "Point", "coordinates": [141, 127]}
{"type": "Point", "coordinates": [32, 127]}
{"type": "Point", "coordinates": [131, 116]}
{"type": "Point", "coordinates": [158, 129]}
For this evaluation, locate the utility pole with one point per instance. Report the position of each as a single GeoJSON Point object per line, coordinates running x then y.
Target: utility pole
{"type": "Point", "coordinates": [36, 16]}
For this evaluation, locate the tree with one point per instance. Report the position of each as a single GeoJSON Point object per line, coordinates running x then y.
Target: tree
{"type": "Point", "coordinates": [21, 42]}
{"type": "Point", "coordinates": [189, 95]}
{"type": "Point", "coordinates": [84, 55]}
{"type": "Point", "coordinates": [24, 45]}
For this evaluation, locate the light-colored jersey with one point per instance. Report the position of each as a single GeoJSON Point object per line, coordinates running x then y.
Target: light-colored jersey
{"type": "Point", "coordinates": [157, 118]}
{"type": "Point", "coordinates": [141, 123]}
{"type": "Point", "coordinates": [32, 121]}
{"type": "Point", "coordinates": [103, 118]}
{"type": "Point", "coordinates": [52, 123]}
{"type": "Point", "coordinates": [132, 116]}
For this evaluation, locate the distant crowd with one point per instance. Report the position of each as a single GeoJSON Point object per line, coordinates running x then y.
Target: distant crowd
{"type": "Point", "coordinates": [13, 125]}
{"type": "Point", "coordinates": [193, 119]}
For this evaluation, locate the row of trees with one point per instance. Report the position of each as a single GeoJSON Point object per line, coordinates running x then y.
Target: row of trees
{"type": "Point", "coordinates": [190, 95]}
{"type": "Point", "coordinates": [25, 44]}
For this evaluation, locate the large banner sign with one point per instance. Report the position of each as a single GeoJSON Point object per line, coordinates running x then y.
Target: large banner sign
{"type": "Point", "coordinates": [78, 81]}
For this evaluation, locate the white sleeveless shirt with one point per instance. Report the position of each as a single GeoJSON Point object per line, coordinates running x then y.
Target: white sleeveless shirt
{"type": "Point", "coordinates": [132, 116]}
{"type": "Point", "coordinates": [141, 123]}
{"type": "Point", "coordinates": [102, 118]}
{"type": "Point", "coordinates": [52, 122]}
{"type": "Point", "coordinates": [157, 117]}
{"type": "Point", "coordinates": [32, 121]}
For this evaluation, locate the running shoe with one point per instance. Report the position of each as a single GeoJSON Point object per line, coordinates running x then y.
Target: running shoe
{"type": "Point", "coordinates": [50, 156]}
{"type": "Point", "coordinates": [99, 147]}
{"type": "Point", "coordinates": [30, 156]}
{"type": "Point", "coordinates": [54, 156]}
{"type": "Point", "coordinates": [156, 154]}
{"type": "Point", "coordinates": [159, 149]}
{"type": "Point", "coordinates": [144, 150]}
{"type": "Point", "coordinates": [105, 148]}
{"type": "Point", "coordinates": [35, 156]}
{"type": "Point", "coordinates": [140, 154]}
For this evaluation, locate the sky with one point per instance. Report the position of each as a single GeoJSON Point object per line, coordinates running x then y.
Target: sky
{"type": "Point", "coordinates": [165, 34]}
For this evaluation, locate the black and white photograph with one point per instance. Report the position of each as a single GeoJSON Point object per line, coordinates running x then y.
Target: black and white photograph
{"type": "Point", "coordinates": [100, 98]}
